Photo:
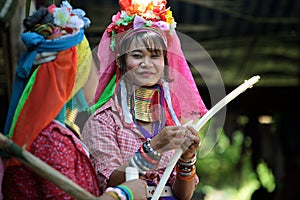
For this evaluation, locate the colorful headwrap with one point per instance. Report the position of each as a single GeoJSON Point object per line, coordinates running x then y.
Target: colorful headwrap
{"type": "Point", "coordinates": [41, 94]}
{"type": "Point", "coordinates": [153, 14]}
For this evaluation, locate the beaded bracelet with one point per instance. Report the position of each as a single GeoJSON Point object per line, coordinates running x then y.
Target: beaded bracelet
{"type": "Point", "coordinates": [186, 176]}
{"type": "Point", "coordinates": [149, 150]}
{"type": "Point", "coordinates": [185, 169]}
{"type": "Point", "coordinates": [119, 192]}
{"type": "Point", "coordinates": [141, 163]}
{"type": "Point", "coordinates": [189, 161]}
{"type": "Point", "coordinates": [185, 164]}
{"type": "Point", "coordinates": [147, 158]}
{"type": "Point", "coordinates": [185, 172]}
{"type": "Point", "coordinates": [127, 191]}
{"type": "Point", "coordinates": [113, 194]}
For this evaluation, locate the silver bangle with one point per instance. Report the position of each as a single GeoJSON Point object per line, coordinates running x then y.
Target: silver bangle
{"type": "Point", "coordinates": [133, 164]}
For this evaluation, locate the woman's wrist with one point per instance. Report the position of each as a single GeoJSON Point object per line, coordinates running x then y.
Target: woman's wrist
{"type": "Point", "coordinates": [145, 158]}
{"type": "Point", "coordinates": [186, 168]}
{"type": "Point", "coordinates": [189, 158]}
{"type": "Point", "coordinates": [154, 147]}
{"type": "Point", "coordinates": [149, 149]}
{"type": "Point", "coordinates": [188, 154]}
{"type": "Point", "coordinates": [186, 175]}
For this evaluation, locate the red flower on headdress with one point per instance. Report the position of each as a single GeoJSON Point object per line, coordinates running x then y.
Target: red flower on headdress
{"type": "Point", "coordinates": [124, 4]}
{"type": "Point", "coordinates": [114, 18]}
{"type": "Point", "coordinates": [51, 8]}
{"type": "Point", "coordinates": [122, 28]}
{"type": "Point", "coordinates": [118, 27]}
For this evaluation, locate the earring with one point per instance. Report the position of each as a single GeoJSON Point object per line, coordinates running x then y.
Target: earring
{"type": "Point", "coordinates": [118, 61]}
{"type": "Point", "coordinates": [162, 78]}
{"type": "Point", "coordinates": [118, 64]}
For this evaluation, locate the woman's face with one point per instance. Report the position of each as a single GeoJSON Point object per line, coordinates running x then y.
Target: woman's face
{"type": "Point", "coordinates": [144, 67]}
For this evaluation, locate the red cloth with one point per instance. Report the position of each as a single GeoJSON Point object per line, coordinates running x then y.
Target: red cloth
{"type": "Point", "coordinates": [58, 147]}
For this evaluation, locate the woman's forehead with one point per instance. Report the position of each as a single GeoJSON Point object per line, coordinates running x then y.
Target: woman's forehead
{"type": "Point", "coordinates": [140, 44]}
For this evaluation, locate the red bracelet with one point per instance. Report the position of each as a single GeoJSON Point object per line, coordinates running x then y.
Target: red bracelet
{"type": "Point", "coordinates": [147, 158]}
{"type": "Point", "coordinates": [186, 178]}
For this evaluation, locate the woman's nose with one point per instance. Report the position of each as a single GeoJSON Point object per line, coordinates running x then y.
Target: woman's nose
{"type": "Point", "coordinates": [145, 62]}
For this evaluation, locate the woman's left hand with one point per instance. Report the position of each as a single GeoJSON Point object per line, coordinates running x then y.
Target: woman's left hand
{"type": "Point", "coordinates": [191, 143]}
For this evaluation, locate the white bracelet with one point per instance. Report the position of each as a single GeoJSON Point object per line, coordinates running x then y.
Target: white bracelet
{"type": "Point", "coordinates": [117, 191]}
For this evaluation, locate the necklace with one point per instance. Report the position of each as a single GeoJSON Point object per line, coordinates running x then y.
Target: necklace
{"type": "Point", "coordinates": [70, 121]}
{"type": "Point", "coordinates": [146, 104]}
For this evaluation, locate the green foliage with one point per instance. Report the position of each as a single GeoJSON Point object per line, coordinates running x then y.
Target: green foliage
{"type": "Point", "coordinates": [226, 171]}
{"type": "Point", "coordinates": [266, 176]}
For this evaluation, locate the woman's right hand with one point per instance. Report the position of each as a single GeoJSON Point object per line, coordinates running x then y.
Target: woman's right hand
{"type": "Point", "coordinates": [44, 57]}
{"type": "Point", "coordinates": [138, 188]}
{"type": "Point", "coordinates": [169, 138]}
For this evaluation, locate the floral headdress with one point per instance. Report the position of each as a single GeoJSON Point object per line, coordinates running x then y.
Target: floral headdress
{"type": "Point", "coordinates": [136, 14]}
{"type": "Point", "coordinates": [53, 22]}
{"type": "Point", "coordinates": [66, 17]}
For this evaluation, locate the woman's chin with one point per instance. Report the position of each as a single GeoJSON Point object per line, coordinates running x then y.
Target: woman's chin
{"type": "Point", "coordinates": [145, 83]}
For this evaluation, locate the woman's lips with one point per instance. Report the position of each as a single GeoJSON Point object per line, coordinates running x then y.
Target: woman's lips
{"type": "Point", "coordinates": [146, 74]}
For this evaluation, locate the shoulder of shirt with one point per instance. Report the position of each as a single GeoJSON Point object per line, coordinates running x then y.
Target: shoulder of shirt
{"type": "Point", "coordinates": [56, 127]}
{"type": "Point", "coordinates": [57, 131]}
{"type": "Point", "coordinates": [109, 105]}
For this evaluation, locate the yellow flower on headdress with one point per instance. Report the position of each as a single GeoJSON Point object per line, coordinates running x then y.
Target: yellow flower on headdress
{"type": "Point", "coordinates": [169, 17]}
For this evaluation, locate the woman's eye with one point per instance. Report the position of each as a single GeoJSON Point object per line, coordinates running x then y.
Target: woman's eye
{"type": "Point", "coordinates": [155, 55]}
{"type": "Point", "coordinates": [136, 55]}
